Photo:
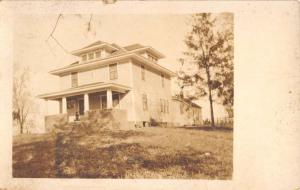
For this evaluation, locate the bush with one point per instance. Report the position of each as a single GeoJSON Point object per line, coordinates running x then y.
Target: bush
{"type": "Point", "coordinates": [153, 122]}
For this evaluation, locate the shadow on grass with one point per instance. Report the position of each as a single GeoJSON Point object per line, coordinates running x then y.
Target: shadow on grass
{"type": "Point", "coordinates": [208, 128]}
{"type": "Point", "coordinates": [34, 159]}
{"type": "Point", "coordinates": [127, 160]}
{"type": "Point", "coordinates": [124, 134]}
{"type": "Point", "coordinates": [62, 157]}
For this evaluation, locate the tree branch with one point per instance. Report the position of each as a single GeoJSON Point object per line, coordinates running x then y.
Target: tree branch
{"type": "Point", "coordinates": [54, 28]}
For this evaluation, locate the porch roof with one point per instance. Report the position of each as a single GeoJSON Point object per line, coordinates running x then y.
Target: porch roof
{"type": "Point", "coordinates": [90, 88]}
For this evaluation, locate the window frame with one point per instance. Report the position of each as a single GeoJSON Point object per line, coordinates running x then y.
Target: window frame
{"type": "Point", "coordinates": [115, 75]}
{"type": "Point", "coordinates": [161, 105]}
{"type": "Point", "coordinates": [95, 56]}
{"type": "Point", "coordinates": [91, 54]}
{"type": "Point", "coordinates": [162, 76]}
{"type": "Point", "coordinates": [181, 107]}
{"type": "Point", "coordinates": [74, 84]}
{"type": "Point", "coordinates": [143, 72]}
{"type": "Point", "coordinates": [167, 106]}
{"type": "Point", "coordinates": [82, 57]}
{"type": "Point", "coordinates": [145, 102]}
{"type": "Point", "coordinates": [152, 57]}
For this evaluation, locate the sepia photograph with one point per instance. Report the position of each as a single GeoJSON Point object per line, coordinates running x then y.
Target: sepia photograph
{"type": "Point", "coordinates": [123, 96]}
{"type": "Point", "coordinates": [115, 95]}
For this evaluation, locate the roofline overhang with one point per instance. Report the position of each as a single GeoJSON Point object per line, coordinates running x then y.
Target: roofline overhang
{"type": "Point", "coordinates": [84, 50]}
{"type": "Point", "coordinates": [155, 65]}
{"type": "Point", "coordinates": [193, 104]}
{"type": "Point", "coordinates": [96, 64]}
{"type": "Point", "coordinates": [154, 51]}
{"type": "Point", "coordinates": [85, 89]}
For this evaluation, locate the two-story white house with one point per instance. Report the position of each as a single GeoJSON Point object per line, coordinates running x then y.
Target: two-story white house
{"type": "Point", "coordinates": [125, 81]}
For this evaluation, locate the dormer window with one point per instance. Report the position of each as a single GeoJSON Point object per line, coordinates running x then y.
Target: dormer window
{"type": "Point", "coordinates": [91, 56]}
{"type": "Point", "coordinates": [152, 58]}
{"type": "Point", "coordinates": [84, 57]}
{"type": "Point", "coordinates": [98, 54]}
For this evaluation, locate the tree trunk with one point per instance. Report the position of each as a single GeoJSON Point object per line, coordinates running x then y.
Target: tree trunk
{"type": "Point", "coordinates": [210, 98]}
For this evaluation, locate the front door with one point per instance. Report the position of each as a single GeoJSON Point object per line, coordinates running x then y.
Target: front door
{"type": "Point", "coordinates": [81, 106]}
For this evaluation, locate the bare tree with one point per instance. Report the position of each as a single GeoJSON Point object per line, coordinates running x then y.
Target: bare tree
{"type": "Point", "coordinates": [22, 100]}
{"type": "Point", "coordinates": [209, 57]}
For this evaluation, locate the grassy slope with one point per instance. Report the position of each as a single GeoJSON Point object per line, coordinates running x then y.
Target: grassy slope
{"type": "Point", "coordinates": [139, 153]}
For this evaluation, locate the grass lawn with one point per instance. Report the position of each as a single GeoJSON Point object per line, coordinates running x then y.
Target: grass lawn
{"type": "Point", "coordinates": [187, 153]}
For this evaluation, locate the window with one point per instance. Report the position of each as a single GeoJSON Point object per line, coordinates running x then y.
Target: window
{"type": "Point", "coordinates": [181, 107]}
{"type": "Point", "coordinates": [113, 72]}
{"type": "Point", "coordinates": [98, 54]}
{"type": "Point", "coordinates": [145, 102]}
{"type": "Point", "coordinates": [162, 80]}
{"type": "Point", "coordinates": [161, 105]}
{"type": "Point", "coordinates": [143, 72]}
{"type": "Point", "coordinates": [152, 58]}
{"type": "Point", "coordinates": [167, 106]}
{"type": "Point", "coordinates": [84, 58]}
{"type": "Point", "coordinates": [164, 106]}
{"type": "Point", "coordinates": [74, 79]}
{"type": "Point", "coordinates": [91, 56]}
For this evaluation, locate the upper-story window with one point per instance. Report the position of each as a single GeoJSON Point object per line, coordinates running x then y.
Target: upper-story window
{"type": "Point", "coordinates": [143, 72]}
{"type": "Point", "coordinates": [181, 107]}
{"type": "Point", "coordinates": [74, 79]}
{"type": "Point", "coordinates": [162, 80]}
{"type": "Point", "coordinates": [113, 71]}
{"type": "Point", "coordinates": [84, 57]}
{"type": "Point", "coordinates": [145, 102]}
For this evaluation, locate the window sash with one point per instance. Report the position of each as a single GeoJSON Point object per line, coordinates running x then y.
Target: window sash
{"type": "Point", "coordinates": [145, 102]}
{"type": "Point", "coordinates": [181, 107]}
{"type": "Point", "coordinates": [152, 58]}
{"type": "Point", "coordinates": [143, 72]}
{"type": "Point", "coordinates": [91, 56]}
{"type": "Point", "coordinates": [113, 72]}
{"type": "Point", "coordinates": [84, 57]}
{"type": "Point", "coordinates": [98, 54]}
{"type": "Point", "coordinates": [74, 79]}
{"type": "Point", "coordinates": [167, 106]}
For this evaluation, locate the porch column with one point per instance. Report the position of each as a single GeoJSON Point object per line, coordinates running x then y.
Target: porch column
{"type": "Point", "coordinates": [64, 105]}
{"type": "Point", "coordinates": [109, 98]}
{"type": "Point", "coordinates": [86, 102]}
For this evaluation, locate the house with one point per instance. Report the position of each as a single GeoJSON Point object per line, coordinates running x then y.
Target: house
{"type": "Point", "coordinates": [127, 83]}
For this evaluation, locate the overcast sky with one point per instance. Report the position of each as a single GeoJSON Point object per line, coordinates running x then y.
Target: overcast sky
{"type": "Point", "coordinates": [31, 48]}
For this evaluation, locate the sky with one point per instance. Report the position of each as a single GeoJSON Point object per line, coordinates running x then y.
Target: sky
{"type": "Point", "coordinates": [165, 33]}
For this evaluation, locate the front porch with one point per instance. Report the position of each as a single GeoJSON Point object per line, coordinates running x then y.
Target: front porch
{"type": "Point", "coordinates": [80, 104]}
{"type": "Point", "coordinates": [77, 102]}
